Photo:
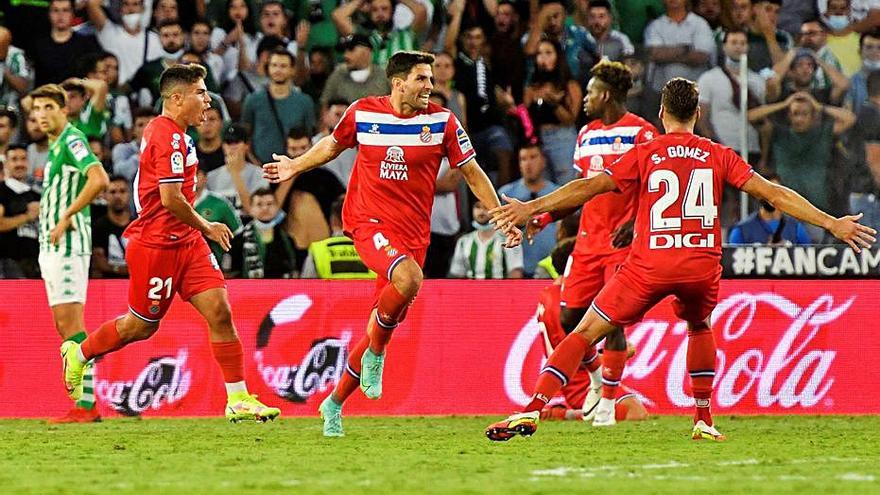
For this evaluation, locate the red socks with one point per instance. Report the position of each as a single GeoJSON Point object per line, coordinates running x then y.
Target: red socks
{"type": "Point", "coordinates": [591, 359]}
{"type": "Point", "coordinates": [559, 369]}
{"type": "Point", "coordinates": [230, 357]}
{"type": "Point", "coordinates": [701, 367]}
{"type": "Point", "coordinates": [102, 341]}
{"type": "Point", "coordinates": [613, 363]}
{"type": "Point", "coordinates": [351, 378]}
{"type": "Point", "coordinates": [391, 308]}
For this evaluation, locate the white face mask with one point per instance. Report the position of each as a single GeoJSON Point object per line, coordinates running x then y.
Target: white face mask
{"type": "Point", "coordinates": [360, 75]}
{"type": "Point", "coordinates": [838, 22]}
{"type": "Point", "coordinates": [482, 227]}
{"type": "Point", "coordinates": [132, 21]}
{"type": "Point", "coordinates": [733, 63]}
{"type": "Point", "coordinates": [871, 64]}
{"type": "Point", "coordinates": [175, 55]}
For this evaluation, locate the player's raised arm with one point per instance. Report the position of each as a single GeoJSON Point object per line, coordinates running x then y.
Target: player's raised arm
{"type": "Point", "coordinates": [571, 195]}
{"type": "Point", "coordinates": [846, 228]}
{"type": "Point", "coordinates": [285, 168]}
{"type": "Point", "coordinates": [483, 189]}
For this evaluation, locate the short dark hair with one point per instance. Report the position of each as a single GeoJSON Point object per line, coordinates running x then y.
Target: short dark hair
{"type": "Point", "coordinates": [336, 207]}
{"type": "Point", "coordinates": [560, 254]}
{"type": "Point", "coordinates": [874, 33]}
{"type": "Point", "coordinates": [282, 52]}
{"type": "Point", "coordinates": [96, 139]}
{"type": "Point", "coordinates": [11, 115]}
{"type": "Point", "coordinates": [616, 76]}
{"type": "Point", "coordinates": [873, 83]}
{"type": "Point", "coordinates": [168, 22]}
{"type": "Point", "coordinates": [529, 145]}
{"type": "Point", "coordinates": [733, 31]}
{"type": "Point", "coordinates": [298, 133]}
{"type": "Point", "coordinates": [51, 91]}
{"type": "Point", "coordinates": [73, 87]}
{"type": "Point", "coordinates": [16, 146]}
{"type": "Point", "coordinates": [680, 98]}
{"type": "Point", "coordinates": [118, 178]}
{"type": "Point", "coordinates": [401, 63]}
{"type": "Point", "coordinates": [570, 225]}
{"type": "Point", "coordinates": [202, 20]}
{"type": "Point", "coordinates": [599, 4]}
{"type": "Point", "coordinates": [142, 112]}
{"type": "Point", "coordinates": [263, 191]}
{"type": "Point", "coordinates": [179, 74]}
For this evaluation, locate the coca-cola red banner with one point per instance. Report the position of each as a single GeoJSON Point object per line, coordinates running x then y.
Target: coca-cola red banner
{"type": "Point", "coordinates": [467, 347]}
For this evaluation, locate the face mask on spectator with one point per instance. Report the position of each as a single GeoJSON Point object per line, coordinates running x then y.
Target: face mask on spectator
{"type": "Point", "coordinates": [871, 64]}
{"type": "Point", "coordinates": [482, 226]}
{"type": "Point", "coordinates": [360, 75]}
{"type": "Point", "coordinates": [174, 55]}
{"type": "Point", "coordinates": [132, 21]}
{"type": "Point", "coordinates": [731, 62]}
{"type": "Point", "coordinates": [838, 22]}
{"type": "Point", "coordinates": [271, 223]}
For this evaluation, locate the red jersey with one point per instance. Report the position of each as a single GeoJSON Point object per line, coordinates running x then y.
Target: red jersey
{"type": "Point", "coordinates": [597, 147]}
{"type": "Point", "coordinates": [398, 157]}
{"type": "Point", "coordinates": [679, 178]}
{"type": "Point", "coordinates": [168, 155]}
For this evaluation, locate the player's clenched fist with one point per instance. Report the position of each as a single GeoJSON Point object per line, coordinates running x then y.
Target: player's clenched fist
{"type": "Point", "coordinates": [280, 170]}
{"type": "Point", "coordinates": [219, 233]}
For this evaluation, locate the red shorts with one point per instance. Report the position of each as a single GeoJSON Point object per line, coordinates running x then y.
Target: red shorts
{"type": "Point", "coordinates": [627, 297]}
{"type": "Point", "coordinates": [156, 274]}
{"type": "Point", "coordinates": [586, 274]}
{"type": "Point", "coordinates": [382, 249]}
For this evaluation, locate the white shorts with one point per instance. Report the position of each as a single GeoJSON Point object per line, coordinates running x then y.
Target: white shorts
{"type": "Point", "coordinates": [66, 277]}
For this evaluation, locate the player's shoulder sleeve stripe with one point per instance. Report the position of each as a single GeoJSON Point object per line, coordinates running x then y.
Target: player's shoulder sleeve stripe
{"type": "Point", "coordinates": [461, 162]}
{"type": "Point", "coordinates": [168, 180]}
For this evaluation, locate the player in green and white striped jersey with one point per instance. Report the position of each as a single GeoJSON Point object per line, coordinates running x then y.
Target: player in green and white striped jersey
{"type": "Point", "coordinates": [72, 178]}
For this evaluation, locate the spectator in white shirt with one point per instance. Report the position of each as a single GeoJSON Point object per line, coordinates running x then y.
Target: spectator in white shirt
{"type": "Point", "coordinates": [130, 42]}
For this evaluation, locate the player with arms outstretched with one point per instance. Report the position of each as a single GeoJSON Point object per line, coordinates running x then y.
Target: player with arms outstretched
{"type": "Point", "coordinates": [401, 140]}
{"type": "Point", "coordinates": [676, 249]}
{"type": "Point", "coordinates": [606, 225]}
{"type": "Point", "coordinates": [167, 254]}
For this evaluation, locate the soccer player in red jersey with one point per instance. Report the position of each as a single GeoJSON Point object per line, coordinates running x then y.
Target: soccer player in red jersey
{"type": "Point", "coordinates": [167, 253]}
{"type": "Point", "coordinates": [625, 404]}
{"type": "Point", "coordinates": [606, 225]}
{"type": "Point", "coordinates": [401, 140]}
{"type": "Point", "coordinates": [676, 249]}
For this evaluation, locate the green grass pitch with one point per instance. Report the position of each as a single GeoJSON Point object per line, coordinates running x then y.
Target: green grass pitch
{"type": "Point", "coordinates": [797, 455]}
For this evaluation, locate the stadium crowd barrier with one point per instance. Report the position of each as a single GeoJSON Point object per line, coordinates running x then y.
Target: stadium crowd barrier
{"type": "Point", "coordinates": [467, 347]}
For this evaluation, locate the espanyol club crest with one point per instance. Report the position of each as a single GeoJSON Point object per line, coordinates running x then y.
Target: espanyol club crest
{"type": "Point", "coordinates": [425, 136]}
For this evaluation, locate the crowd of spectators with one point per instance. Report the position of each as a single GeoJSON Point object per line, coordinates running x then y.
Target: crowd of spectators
{"type": "Point", "coordinates": [282, 72]}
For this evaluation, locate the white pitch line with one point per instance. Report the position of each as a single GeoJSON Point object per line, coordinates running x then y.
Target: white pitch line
{"type": "Point", "coordinates": [856, 477]}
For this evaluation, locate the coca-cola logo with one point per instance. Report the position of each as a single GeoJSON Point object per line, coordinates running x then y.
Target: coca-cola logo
{"type": "Point", "coordinates": [771, 354]}
{"type": "Point", "coordinates": [298, 378]}
{"type": "Point", "coordinates": [164, 381]}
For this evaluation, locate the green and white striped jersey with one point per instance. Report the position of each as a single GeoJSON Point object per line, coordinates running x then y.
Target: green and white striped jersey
{"type": "Point", "coordinates": [63, 179]}
{"type": "Point", "coordinates": [478, 259]}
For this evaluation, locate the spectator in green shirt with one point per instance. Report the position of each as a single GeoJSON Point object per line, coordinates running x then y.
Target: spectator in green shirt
{"type": "Point", "coordinates": [87, 105]}
{"type": "Point", "coordinates": [215, 208]}
{"type": "Point", "coordinates": [386, 38]}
